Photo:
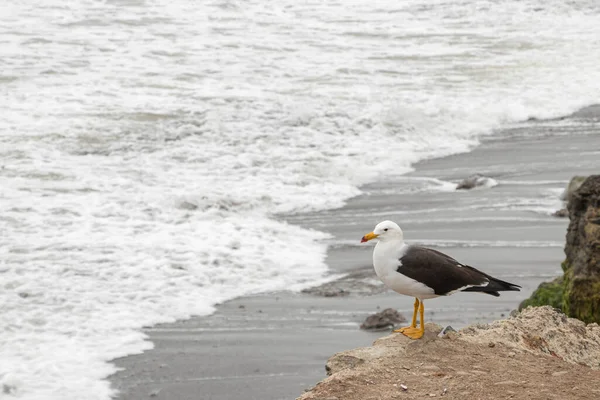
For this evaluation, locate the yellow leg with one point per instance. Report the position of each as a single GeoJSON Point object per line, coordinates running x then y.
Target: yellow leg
{"type": "Point", "coordinates": [414, 319]}
{"type": "Point", "coordinates": [414, 332]}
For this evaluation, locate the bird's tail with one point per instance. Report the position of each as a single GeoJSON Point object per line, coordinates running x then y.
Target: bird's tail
{"type": "Point", "coordinates": [493, 287]}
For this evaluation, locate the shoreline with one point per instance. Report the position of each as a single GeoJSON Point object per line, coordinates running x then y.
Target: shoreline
{"type": "Point", "coordinates": [281, 340]}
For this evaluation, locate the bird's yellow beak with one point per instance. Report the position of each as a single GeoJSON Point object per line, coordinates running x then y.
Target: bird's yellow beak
{"type": "Point", "coordinates": [368, 237]}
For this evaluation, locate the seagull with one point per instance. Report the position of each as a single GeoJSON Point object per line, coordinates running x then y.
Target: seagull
{"type": "Point", "coordinates": [424, 273]}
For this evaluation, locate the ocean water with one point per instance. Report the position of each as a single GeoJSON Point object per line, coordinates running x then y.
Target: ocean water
{"type": "Point", "coordinates": [148, 147]}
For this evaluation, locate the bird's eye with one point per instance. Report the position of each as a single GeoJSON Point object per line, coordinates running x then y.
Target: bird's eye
{"type": "Point", "coordinates": [385, 230]}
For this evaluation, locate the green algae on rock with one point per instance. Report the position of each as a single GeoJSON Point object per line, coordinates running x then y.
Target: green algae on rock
{"type": "Point", "coordinates": [548, 293]}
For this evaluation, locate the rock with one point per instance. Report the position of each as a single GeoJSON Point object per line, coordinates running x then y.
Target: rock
{"type": "Point", "coordinates": [352, 358]}
{"type": "Point", "coordinates": [537, 340]}
{"type": "Point", "coordinates": [572, 186]}
{"type": "Point", "coordinates": [562, 213]}
{"type": "Point", "coordinates": [341, 362]}
{"type": "Point", "coordinates": [446, 331]}
{"type": "Point", "coordinates": [542, 330]}
{"type": "Point", "coordinates": [577, 292]}
{"type": "Point", "coordinates": [383, 320]}
{"type": "Point", "coordinates": [581, 298]}
{"type": "Point", "coordinates": [476, 180]}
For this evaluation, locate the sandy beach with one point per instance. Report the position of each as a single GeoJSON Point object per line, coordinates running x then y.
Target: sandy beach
{"type": "Point", "coordinates": [273, 346]}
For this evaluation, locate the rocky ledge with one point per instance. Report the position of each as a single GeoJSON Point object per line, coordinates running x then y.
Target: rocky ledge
{"type": "Point", "coordinates": [539, 353]}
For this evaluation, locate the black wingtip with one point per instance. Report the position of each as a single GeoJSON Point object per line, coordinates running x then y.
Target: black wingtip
{"type": "Point", "coordinates": [502, 286]}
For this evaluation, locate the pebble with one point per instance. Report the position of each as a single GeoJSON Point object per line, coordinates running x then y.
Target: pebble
{"type": "Point", "coordinates": [512, 354]}
{"type": "Point", "coordinates": [446, 330]}
{"type": "Point", "coordinates": [559, 373]}
{"type": "Point", "coordinates": [404, 387]}
{"type": "Point", "coordinates": [491, 344]}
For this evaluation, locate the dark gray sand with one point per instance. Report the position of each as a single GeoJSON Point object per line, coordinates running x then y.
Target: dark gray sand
{"type": "Point", "coordinates": [272, 346]}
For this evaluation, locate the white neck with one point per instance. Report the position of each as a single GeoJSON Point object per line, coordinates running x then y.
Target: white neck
{"type": "Point", "coordinates": [386, 250]}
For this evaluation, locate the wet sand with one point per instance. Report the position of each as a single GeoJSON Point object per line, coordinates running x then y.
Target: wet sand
{"type": "Point", "coordinates": [272, 346]}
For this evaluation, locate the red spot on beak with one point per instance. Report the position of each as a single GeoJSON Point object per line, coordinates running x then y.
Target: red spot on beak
{"type": "Point", "coordinates": [364, 239]}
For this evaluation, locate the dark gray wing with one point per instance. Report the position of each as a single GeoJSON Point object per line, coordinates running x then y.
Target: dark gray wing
{"type": "Point", "coordinates": [444, 274]}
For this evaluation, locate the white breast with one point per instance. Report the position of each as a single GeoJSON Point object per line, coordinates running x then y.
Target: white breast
{"type": "Point", "coordinates": [386, 260]}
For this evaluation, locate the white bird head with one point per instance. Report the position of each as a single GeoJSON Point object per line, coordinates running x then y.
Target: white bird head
{"type": "Point", "coordinates": [386, 230]}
